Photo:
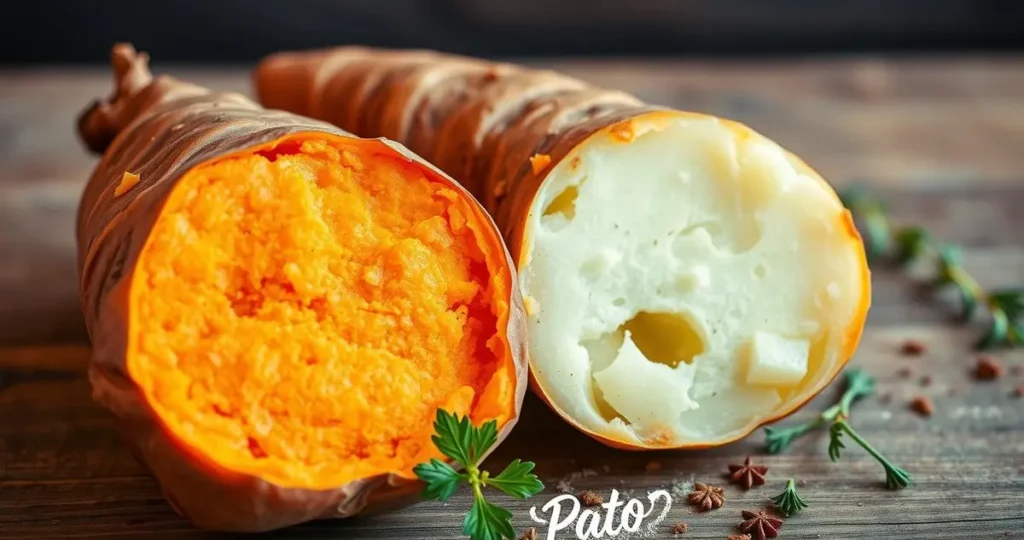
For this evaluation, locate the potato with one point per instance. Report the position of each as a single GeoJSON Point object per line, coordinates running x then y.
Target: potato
{"type": "Point", "coordinates": [686, 280]}
{"type": "Point", "coordinates": [278, 308]}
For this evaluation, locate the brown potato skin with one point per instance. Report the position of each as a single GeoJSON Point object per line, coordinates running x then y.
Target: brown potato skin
{"type": "Point", "coordinates": [160, 128]}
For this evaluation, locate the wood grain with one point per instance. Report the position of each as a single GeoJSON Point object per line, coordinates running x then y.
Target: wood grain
{"type": "Point", "coordinates": [940, 141]}
{"type": "Point", "coordinates": [64, 473]}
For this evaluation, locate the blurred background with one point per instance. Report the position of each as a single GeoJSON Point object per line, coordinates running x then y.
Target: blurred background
{"type": "Point", "coordinates": [921, 99]}
{"type": "Point", "coordinates": [61, 31]}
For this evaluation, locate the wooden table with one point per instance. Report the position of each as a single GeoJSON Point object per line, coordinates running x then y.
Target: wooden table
{"type": "Point", "coordinates": [941, 140]}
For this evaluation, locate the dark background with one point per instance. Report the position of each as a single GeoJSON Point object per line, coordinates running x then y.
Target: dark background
{"type": "Point", "coordinates": [63, 31]}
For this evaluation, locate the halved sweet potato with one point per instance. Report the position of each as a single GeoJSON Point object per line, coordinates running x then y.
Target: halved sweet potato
{"type": "Point", "coordinates": [278, 308]}
{"type": "Point", "coordinates": [686, 279]}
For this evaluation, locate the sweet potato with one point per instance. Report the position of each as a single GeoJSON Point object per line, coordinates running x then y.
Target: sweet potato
{"type": "Point", "coordinates": [686, 279]}
{"type": "Point", "coordinates": [278, 308]}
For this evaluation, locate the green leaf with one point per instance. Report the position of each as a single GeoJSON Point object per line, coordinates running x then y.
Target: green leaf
{"type": "Point", "coordinates": [1017, 334]}
{"type": "Point", "coordinates": [835, 443]}
{"type": "Point", "coordinates": [895, 477]}
{"type": "Point", "coordinates": [454, 437]}
{"type": "Point", "coordinates": [482, 439]}
{"type": "Point", "coordinates": [996, 333]}
{"type": "Point", "coordinates": [853, 196]}
{"type": "Point", "coordinates": [950, 256]}
{"type": "Point", "coordinates": [859, 383]}
{"type": "Point", "coordinates": [486, 521]}
{"type": "Point", "coordinates": [517, 480]}
{"type": "Point", "coordinates": [788, 502]}
{"type": "Point", "coordinates": [1011, 301]}
{"type": "Point", "coordinates": [440, 477]}
{"type": "Point", "coordinates": [911, 243]}
{"type": "Point", "coordinates": [778, 439]}
{"type": "Point", "coordinates": [968, 303]}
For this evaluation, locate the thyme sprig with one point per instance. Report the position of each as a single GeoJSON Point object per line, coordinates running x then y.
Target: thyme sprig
{"type": "Point", "coordinates": [906, 244]}
{"type": "Point", "coordinates": [466, 444]}
{"type": "Point", "coordinates": [858, 384]}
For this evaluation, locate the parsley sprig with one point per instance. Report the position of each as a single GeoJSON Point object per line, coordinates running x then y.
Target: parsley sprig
{"type": "Point", "coordinates": [883, 240]}
{"type": "Point", "coordinates": [466, 444]}
{"type": "Point", "coordinates": [858, 384]}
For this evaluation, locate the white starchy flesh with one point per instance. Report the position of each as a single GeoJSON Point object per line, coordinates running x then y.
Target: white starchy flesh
{"type": "Point", "coordinates": [687, 284]}
{"type": "Point", "coordinates": [775, 360]}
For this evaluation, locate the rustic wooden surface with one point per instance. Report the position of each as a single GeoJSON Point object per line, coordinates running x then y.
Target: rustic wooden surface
{"type": "Point", "coordinates": [941, 140]}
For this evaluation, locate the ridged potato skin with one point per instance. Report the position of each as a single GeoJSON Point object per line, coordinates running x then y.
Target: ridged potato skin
{"type": "Point", "coordinates": [481, 122]}
{"type": "Point", "coordinates": [160, 128]}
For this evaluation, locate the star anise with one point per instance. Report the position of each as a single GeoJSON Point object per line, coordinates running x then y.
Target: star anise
{"type": "Point", "coordinates": [706, 497]}
{"type": "Point", "coordinates": [748, 474]}
{"type": "Point", "coordinates": [760, 524]}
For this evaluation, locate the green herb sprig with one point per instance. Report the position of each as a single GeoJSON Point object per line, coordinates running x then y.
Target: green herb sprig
{"type": "Point", "coordinates": [788, 502]}
{"type": "Point", "coordinates": [858, 384]}
{"type": "Point", "coordinates": [466, 444]}
{"type": "Point", "coordinates": [883, 240]}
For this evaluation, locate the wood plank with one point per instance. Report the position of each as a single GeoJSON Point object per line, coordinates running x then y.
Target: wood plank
{"type": "Point", "coordinates": [64, 474]}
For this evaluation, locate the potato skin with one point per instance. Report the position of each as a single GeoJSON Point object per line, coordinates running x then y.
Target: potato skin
{"type": "Point", "coordinates": [482, 122]}
{"type": "Point", "coordinates": [160, 129]}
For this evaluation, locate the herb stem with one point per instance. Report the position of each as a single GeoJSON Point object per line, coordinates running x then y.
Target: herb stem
{"type": "Point", "coordinates": [909, 243]}
{"type": "Point", "coordinates": [895, 477]}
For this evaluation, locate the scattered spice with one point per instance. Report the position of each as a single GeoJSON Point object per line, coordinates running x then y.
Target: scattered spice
{"type": "Point", "coordinates": [1019, 391]}
{"type": "Point", "coordinates": [706, 497]}
{"type": "Point", "coordinates": [760, 525]}
{"type": "Point", "coordinates": [885, 399]}
{"type": "Point", "coordinates": [748, 474]}
{"type": "Point", "coordinates": [904, 373]}
{"type": "Point", "coordinates": [922, 406]}
{"type": "Point", "coordinates": [913, 347]}
{"type": "Point", "coordinates": [529, 534]}
{"type": "Point", "coordinates": [738, 537]}
{"type": "Point", "coordinates": [679, 528]}
{"type": "Point", "coordinates": [589, 498]}
{"type": "Point", "coordinates": [652, 466]}
{"type": "Point", "coordinates": [987, 369]}
{"type": "Point", "coordinates": [926, 380]}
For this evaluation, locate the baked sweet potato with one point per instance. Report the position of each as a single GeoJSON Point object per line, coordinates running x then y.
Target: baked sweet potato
{"type": "Point", "coordinates": [686, 279]}
{"type": "Point", "coordinates": [278, 308]}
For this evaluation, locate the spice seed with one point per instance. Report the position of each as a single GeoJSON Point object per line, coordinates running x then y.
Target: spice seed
{"type": "Point", "coordinates": [529, 534]}
{"type": "Point", "coordinates": [926, 380]}
{"type": "Point", "coordinates": [987, 368]}
{"type": "Point", "coordinates": [922, 406]}
{"type": "Point", "coordinates": [913, 347]}
{"type": "Point", "coordinates": [1019, 391]}
{"type": "Point", "coordinates": [679, 528]}
{"type": "Point", "coordinates": [904, 373]}
{"type": "Point", "coordinates": [589, 498]}
{"type": "Point", "coordinates": [1017, 370]}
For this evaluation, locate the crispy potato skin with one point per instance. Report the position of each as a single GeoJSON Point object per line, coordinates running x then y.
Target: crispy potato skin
{"type": "Point", "coordinates": [482, 122]}
{"type": "Point", "coordinates": [159, 128]}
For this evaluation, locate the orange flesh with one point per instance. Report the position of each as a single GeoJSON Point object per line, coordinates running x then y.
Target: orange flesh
{"type": "Point", "coordinates": [301, 313]}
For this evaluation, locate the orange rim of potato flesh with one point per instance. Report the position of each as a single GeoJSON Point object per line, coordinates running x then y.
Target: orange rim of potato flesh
{"type": "Point", "coordinates": [302, 308]}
